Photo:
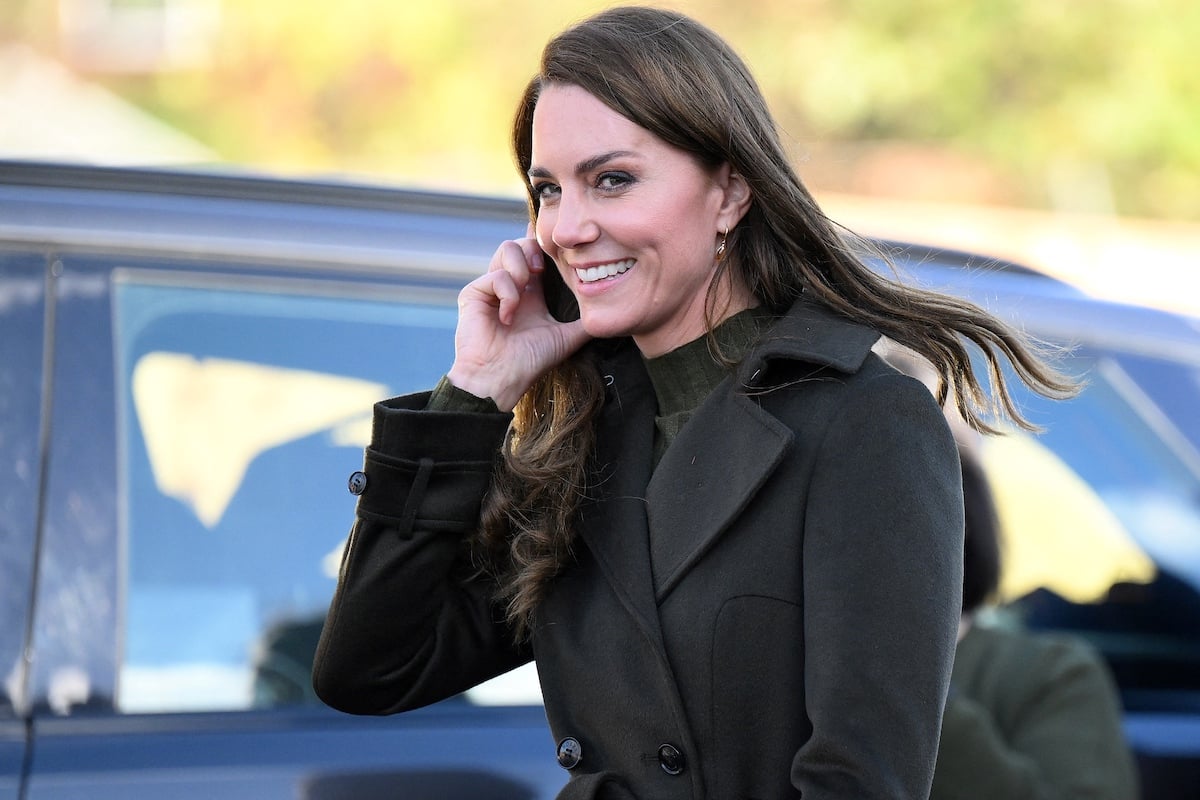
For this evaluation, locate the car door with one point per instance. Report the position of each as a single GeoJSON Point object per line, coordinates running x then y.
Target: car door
{"type": "Point", "coordinates": [206, 417]}
{"type": "Point", "coordinates": [22, 320]}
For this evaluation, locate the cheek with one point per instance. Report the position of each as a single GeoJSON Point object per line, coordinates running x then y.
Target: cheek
{"type": "Point", "coordinates": [687, 238]}
{"type": "Point", "coordinates": [685, 226]}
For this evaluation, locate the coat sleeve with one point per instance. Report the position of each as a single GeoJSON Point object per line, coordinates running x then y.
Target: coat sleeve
{"type": "Point", "coordinates": [409, 623]}
{"type": "Point", "coordinates": [883, 553]}
{"type": "Point", "coordinates": [1051, 732]}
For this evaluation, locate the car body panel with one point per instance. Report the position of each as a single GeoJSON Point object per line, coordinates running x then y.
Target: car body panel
{"type": "Point", "coordinates": [439, 753]}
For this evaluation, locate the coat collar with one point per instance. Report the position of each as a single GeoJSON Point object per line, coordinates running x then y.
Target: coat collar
{"type": "Point", "coordinates": [810, 333]}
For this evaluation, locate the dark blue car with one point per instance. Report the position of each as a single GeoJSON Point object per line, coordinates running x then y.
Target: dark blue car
{"type": "Point", "coordinates": [187, 368]}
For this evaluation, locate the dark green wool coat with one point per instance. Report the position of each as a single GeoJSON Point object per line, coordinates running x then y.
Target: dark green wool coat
{"type": "Point", "coordinates": [793, 632]}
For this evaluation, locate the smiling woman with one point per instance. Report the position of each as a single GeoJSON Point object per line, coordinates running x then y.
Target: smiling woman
{"type": "Point", "coordinates": [665, 462]}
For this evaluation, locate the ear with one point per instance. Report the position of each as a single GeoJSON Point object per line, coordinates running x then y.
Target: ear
{"type": "Point", "coordinates": [735, 199]}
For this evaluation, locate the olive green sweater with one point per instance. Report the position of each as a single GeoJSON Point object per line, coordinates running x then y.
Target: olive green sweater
{"type": "Point", "coordinates": [686, 375]}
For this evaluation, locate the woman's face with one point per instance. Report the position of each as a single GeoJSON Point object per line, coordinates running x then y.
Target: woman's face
{"type": "Point", "coordinates": [632, 222]}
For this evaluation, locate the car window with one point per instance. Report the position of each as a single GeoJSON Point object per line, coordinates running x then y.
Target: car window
{"type": "Point", "coordinates": [1101, 518]}
{"type": "Point", "coordinates": [22, 311]}
{"type": "Point", "coordinates": [243, 409]}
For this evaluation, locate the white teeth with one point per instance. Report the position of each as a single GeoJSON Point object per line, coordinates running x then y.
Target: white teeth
{"type": "Point", "coordinates": [592, 274]}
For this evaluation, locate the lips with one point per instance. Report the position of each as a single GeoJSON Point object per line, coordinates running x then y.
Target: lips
{"type": "Point", "coordinates": [599, 273]}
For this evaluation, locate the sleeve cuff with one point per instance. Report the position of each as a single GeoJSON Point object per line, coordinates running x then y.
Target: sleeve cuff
{"type": "Point", "coordinates": [448, 397]}
{"type": "Point", "coordinates": [406, 428]}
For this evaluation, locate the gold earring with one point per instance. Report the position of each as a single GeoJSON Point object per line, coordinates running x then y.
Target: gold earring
{"type": "Point", "coordinates": [721, 246]}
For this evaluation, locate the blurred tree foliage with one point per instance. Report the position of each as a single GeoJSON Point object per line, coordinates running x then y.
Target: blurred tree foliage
{"type": "Point", "coordinates": [1078, 104]}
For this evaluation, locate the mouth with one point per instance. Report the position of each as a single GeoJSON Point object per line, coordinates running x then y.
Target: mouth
{"type": "Point", "coordinates": [599, 273]}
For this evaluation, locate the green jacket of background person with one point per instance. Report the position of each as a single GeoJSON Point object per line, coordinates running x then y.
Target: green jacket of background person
{"type": "Point", "coordinates": [1031, 716]}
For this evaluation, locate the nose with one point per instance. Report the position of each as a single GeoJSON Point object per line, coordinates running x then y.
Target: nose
{"type": "Point", "coordinates": [572, 222]}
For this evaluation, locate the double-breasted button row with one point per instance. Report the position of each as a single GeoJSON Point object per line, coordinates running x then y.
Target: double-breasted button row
{"type": "Point", "coordinates": [570, 756]}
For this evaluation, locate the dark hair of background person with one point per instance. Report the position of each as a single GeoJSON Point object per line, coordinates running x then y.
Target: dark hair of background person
{"type": "Point", "coordinates": [981, 547]}
{"type": "Point", "coordinates": [677, 79]}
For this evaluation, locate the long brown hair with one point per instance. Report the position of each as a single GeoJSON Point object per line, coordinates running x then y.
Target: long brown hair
{"type": "Point", "coordinates": [677, 79]}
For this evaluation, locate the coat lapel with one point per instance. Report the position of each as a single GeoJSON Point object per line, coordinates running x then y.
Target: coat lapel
{"type": "Point", "coordinates": [731, 446]}
{"type": "Point", "coordinates": [613, 521]}
{"type": "Point", "coordinates": [711, 471]}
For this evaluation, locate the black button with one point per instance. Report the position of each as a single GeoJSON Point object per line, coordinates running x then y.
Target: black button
{"type": "Point", "coordinates": [570, 753]}
{"type": "Point", "coordinates": [671, 760]}
{"type": "Point", "coordinates": [358, 482]}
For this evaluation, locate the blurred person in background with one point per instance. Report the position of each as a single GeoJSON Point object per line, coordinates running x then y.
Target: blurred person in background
{"type": "Point", "coordinates": [665, 463]}
{"type": "Point", "coordinates": [1030, 715]}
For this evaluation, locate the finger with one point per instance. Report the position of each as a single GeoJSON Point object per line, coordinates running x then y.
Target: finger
{"type": "Point", "coordinates": [534, 256]}
{"type": "Point", "coordinates": [502, 255]}
{"type": "Point", "coordinates": [534, 285]}
{"type": "Point", "coordinates": [507, 294]}
{"type": "Point", "coordinates": [486, 290]}
{"type": "Point", "coordinates": [511, 257]}
{"type": "Point", "coordinates": [533, 250]}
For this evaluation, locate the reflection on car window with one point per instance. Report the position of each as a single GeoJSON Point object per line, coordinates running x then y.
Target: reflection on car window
{"type": "Point", "coordinates": [235, 411]}
{"type": "Point", "coordinates": [1052, 517]}
{"type": "Point", "coordinates": [243, 412]}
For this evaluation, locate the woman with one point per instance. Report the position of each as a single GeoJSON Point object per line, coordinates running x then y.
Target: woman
{"type": "Point", "coordinates": [1033, 715]}
{"type": "Point", "coordinates": [665, 463]}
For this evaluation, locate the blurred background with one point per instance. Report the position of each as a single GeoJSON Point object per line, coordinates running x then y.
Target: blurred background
{"type": "Point", "coordinates": [1060, 133]}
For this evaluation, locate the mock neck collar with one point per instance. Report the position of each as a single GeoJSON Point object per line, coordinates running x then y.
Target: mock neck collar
{"type": "Point", "coordinates": [683, 377]}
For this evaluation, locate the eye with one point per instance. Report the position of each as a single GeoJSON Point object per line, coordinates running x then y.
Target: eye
{"type": "Point", "coordinates": [545, 191]}
{"type": "Point", "coordinates": [612, 181]}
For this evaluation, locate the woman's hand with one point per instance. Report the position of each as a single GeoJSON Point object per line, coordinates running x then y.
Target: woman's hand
{"type": "Point", "coordinates": [506, 336]}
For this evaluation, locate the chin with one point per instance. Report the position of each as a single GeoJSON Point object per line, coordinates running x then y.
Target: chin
{"type": "Point", "coordinates": [601, 327]}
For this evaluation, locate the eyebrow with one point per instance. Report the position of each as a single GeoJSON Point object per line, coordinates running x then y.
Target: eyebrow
{"type": "Point", "coordinates": [585, 166]}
